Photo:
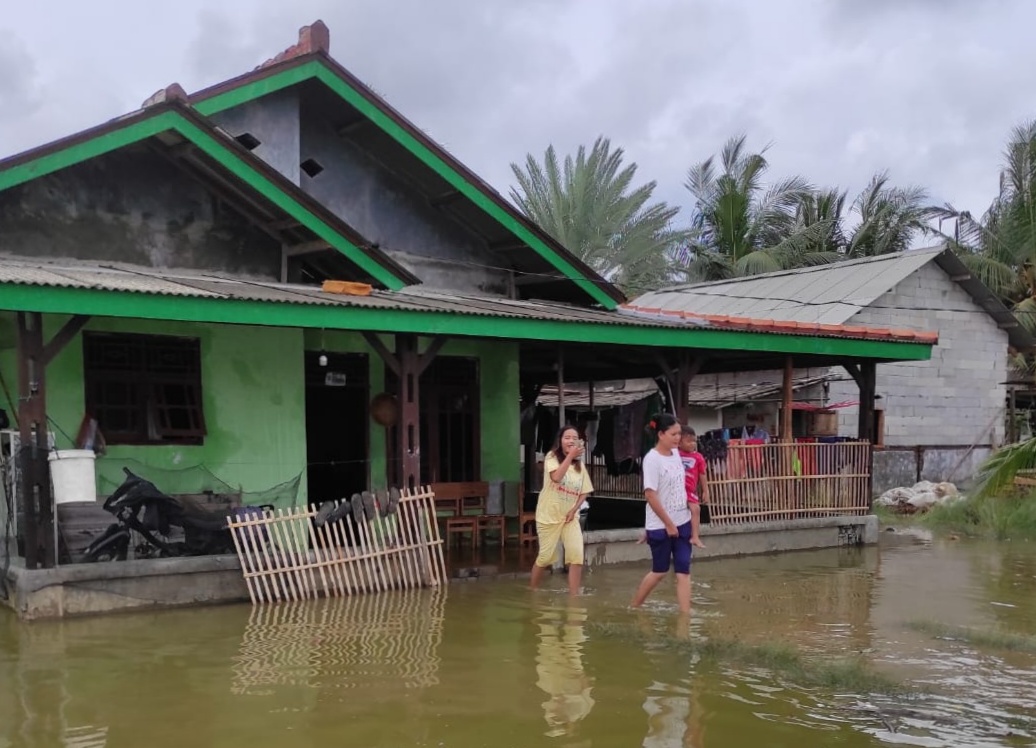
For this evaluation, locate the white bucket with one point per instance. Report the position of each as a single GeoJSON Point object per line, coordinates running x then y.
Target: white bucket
{"type": "Point", "coordinates": [72, 475]}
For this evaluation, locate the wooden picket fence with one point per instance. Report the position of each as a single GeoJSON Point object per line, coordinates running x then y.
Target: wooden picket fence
{"type": "Point", "coordinates": [285, 556]}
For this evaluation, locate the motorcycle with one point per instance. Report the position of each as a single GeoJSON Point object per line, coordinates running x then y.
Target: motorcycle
{"type": "Point", "coordinates": [139, 507]}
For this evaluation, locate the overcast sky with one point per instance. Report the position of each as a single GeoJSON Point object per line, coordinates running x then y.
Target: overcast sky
{"type": "Point", "coordinates": [928, 89]}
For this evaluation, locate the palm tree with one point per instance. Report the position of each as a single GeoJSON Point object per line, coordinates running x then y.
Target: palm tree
{"type": "Point", "coordinates": [590, 206]}
{"type": "Point", "coordinates": [1000, 247]}
{"type": "Point", "coordinates": [881, 220]}
{"type": "Point", "coordinates": [742, 228]}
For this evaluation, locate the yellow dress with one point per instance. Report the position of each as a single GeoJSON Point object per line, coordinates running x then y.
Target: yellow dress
{"type": "Point", "coordinates": [553, 505]}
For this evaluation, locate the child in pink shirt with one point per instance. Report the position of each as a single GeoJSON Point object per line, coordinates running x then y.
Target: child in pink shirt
{"type": "Point", "coordinates": [694, 480]}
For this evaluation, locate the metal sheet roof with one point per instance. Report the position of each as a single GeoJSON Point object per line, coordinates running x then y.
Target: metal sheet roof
{"type": "Point", "coordinates": [716, 395]}
{"type": "Point", "coordinates": [195, 284]}
{"type": "Point", "coordinates": [826, 294]}
{"type": "Point", "coordinates": [829, 294]}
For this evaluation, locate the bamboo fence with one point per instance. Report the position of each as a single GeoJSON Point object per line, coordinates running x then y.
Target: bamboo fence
{"type": "Point", "coordinates": [285, 557]}
{"type": "Point", "coordinates": [776, 481]}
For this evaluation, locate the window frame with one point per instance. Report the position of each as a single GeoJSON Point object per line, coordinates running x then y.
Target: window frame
{"type": "Point", "coordinates": [148, 403]}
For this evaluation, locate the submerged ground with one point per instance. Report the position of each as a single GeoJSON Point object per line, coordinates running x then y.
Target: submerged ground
{"type": "Point", "coordinates": [915, 642]}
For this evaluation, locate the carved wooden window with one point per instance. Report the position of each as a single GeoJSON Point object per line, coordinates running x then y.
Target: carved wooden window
{"type": "Point", "coordinates": [144, 389]}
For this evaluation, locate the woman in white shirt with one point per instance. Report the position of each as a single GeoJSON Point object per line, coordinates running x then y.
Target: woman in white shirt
{"type": "Point", "coordinates": [667, 517]}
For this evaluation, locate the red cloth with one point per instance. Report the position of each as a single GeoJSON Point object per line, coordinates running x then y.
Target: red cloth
{"type": "Point", "coordinates": [693, 470]}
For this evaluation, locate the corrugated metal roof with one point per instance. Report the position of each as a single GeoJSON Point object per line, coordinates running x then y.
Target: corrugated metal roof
{"type": "Point", "coordinates": [129, 279]}
{"type": "Point", "coordinates": [829, 294]}
{"type": "Point", "coordinates": [191, 284]}
{"type": "Point", "coordinates": [825, 294]}
{"type": "Point", "coordinates": [716, 395]}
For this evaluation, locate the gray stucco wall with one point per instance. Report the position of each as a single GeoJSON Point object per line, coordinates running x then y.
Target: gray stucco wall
{"type": "Point", "coordinates": [957, 397]}
{"type": "Point", "coordinates": [131, 206]}
{"type": "Point", "coordinates": [394, 215]}
{"type": "Point", "coordinates": [274, 121]}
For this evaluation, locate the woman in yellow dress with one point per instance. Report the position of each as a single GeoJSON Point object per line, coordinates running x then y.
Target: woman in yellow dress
{"type": "Point", "coordinates": [566, 484]}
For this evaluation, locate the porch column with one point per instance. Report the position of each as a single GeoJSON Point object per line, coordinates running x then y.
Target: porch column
{"type": "Point", "coordinates": [410, 409]}
{"type": "Point", "coordinates": [685, 372]}
{"type": "Point", "coordinates": [787, 398]}
{"type": "Point", "coordinates": [37, 522]}
{"type": "Point", "coordinates": [561, 387]}
{"type": "Point", "coordinates": [868, 386]}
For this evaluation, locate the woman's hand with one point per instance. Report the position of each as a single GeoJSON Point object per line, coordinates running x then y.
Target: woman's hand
{"type": "Point", "coordinates": [670, 530]}
{"type": "Point", "coordinates": [571, 514]}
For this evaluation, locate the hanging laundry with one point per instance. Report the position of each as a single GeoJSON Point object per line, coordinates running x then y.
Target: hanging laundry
{"type": "Point", "coordinates": [630, 421]}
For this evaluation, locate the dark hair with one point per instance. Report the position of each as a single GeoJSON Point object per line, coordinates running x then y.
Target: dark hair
{"type": "Point", "coordinates": [559, 453]}
{"type": "Point", "coordinates": [686, 430]}
{"type": "Point", "coordinates": [661, 423]}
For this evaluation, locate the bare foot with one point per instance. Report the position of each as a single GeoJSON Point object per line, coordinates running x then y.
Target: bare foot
{"type": "Point", "coordinates": [696, 542]}
{"type": "Point", "coordinates": [642, 538]}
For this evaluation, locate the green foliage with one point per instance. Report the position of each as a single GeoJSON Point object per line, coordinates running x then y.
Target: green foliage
{"type": "Point", "coordinates": [1001, 640]}
{"type": "Point", "coordinates": [782, 660]}
{"type": "Point", "coordinates": [590, 205]}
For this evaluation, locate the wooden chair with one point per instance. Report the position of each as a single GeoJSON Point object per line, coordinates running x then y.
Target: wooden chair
{"type": "Point", "coordinates": [492, 522]}
{"type": "Point", "coordinates": [457, 527]}
{"type": "Point", "coordinates": [526, 520]}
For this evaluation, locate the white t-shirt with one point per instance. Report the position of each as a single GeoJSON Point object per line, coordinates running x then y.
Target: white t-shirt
{"type": "Point", "coordinates": [664, 476]}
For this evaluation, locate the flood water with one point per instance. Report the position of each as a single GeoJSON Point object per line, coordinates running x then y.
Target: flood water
{"type": "Point", "coordinates": [491, 664]}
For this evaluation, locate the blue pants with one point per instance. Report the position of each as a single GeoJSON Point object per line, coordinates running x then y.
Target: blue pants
{"type": "Point", "coordinates": [666, 550]}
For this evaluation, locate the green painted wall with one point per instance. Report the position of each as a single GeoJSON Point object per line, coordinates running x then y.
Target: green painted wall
{"type": "Point", "coordinates": [254, 399]}
{"type": "Point", "coordinates": [253, 396]}
{"type": "Point", "coordinates": [499, 407]}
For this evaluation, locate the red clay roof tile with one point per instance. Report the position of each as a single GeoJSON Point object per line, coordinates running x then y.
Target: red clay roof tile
{"type": "Point", "coordinates": [795, 328]}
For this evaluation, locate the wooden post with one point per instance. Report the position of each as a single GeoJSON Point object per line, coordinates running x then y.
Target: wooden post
{"type": "Point", "coordinates": [685, 372]}
{"type": "Point", "coordinates": [410, 409]}
{"type": "Point", "coordinates": [561, 387]}
{"type": "Point", "coordinates": [38, 506]}
{"type": "Point", "coordinates": [1012, 420]}
{"type": "Point", "coordinates": [868, 385]}
{"type": "Point", "coordinates": [787, 397]}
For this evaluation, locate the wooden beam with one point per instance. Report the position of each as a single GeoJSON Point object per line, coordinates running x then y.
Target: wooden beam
{"type": "Point", "coordinates": [305, 248]}
{"type": "Point", "coordinates": [444, 199]}
{"type": "Point", "coordinates": [63, 337]}
{"type": "Point", "coordinates": [854, 372]}
{"type": "Point", "coordinates": [284, 225]}
{"type": "Point", "coordinates": [868, 386]}
{"type": "Point", "coordinates": [431, 352]}
{"type": "Point", "coordinates": [561, 386]}
{"type": "Point", "coordinates": [962, 277]}
{"type": "Point", "coordinates": [350, 127]}
{"type": "Point", "coordinates": [787, 396]}
{"type": "Point", "coordinates": [410, 409]}
{"type": "Point", "coordinates": [390, 359]}
{"type": "Point", "coordinates": [38, 532]}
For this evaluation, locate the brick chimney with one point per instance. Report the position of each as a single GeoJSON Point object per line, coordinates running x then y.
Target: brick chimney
{"type": "Point", "coordinates": [313, 38]}
{"type": "Point", "coordinates": [174, 92]}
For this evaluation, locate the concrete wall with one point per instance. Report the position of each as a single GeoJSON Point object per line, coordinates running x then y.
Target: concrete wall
{"type": "Point", "coordinates": [390, 212]}
{"type": "Point", "coordinates": [253, 399]}
{"type": "Point", "coordinates": [135, 207]}
{"type": "Point", "coordinates": [274, 121]}
{"type": "Point", "coordinates": [955, 399]}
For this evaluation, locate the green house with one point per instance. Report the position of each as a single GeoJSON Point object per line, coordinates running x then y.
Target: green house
{"type": "Point", "coordinates": [251, 281]}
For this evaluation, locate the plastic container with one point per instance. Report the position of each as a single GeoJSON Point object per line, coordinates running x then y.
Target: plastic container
{"type": "Point", "coordinates": [72, 475]}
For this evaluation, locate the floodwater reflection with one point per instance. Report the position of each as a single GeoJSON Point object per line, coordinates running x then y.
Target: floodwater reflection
{"type": "Point", "coordinates": [388, 640]}
{"type": "Point", "coordinates": [492, 664]}
{"type": "Point", "coordinates": [559, 668]}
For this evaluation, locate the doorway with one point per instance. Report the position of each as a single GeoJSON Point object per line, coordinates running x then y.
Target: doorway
{"type": "Point", "coordinates": [450, 416]}
{"type": "Point", "coordinates": [337, 425]}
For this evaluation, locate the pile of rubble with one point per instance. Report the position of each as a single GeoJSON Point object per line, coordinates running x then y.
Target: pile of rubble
{"type": "Point", "coordinates": [919, 498]}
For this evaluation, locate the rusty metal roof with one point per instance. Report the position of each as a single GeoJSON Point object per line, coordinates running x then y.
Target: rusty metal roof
{"type": "Point", "coordinates": [192, 283]}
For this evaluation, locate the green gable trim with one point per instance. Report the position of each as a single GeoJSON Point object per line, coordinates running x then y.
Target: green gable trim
{"type": "Point", "coordinates": [172, 120]}
{"type": "Point", "coordinates": [58, 300]}
{"type": "Point", "coordinates": [318, 70]}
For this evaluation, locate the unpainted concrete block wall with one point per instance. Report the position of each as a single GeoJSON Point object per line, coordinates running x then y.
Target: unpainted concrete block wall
{"type": "Point", "coordinates": [957, 397]}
